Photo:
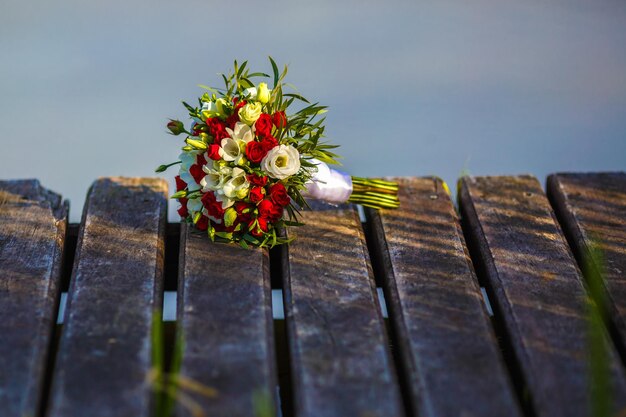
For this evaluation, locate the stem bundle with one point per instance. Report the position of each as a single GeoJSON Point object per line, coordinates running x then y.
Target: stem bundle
{"type": "Point", "coordinates": [374, 193]}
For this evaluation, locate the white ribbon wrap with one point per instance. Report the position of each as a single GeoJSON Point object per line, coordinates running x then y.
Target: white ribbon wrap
{"type": "Point", "coordinates": [328, 184]}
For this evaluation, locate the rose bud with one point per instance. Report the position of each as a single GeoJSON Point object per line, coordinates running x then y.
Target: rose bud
{"type": "Point", "coordinates": [263, 93]}
{"type": "Point", "coordinates": [176, 127]}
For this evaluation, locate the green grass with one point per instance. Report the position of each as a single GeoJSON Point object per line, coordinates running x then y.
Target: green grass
{"type": "Point", "coordinates": [598, 349]}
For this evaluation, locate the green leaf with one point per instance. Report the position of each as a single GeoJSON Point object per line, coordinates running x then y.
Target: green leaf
{"type": "Point", "coordinates": [298, 96]}
{"type": "Point", "coordinates": [292, 223]}
{"type": "Point", "coordinates": [211, 89]}
{"type": "Point", "coordinates": [188, 107]}
{"type": "Point", "coordinates": [241, 69]}
{"type": "Point", "coordinates": [258, 74]}
{"type": "Point", "coordinates": [251, 239]}
{"type": "Point", "coordinates": [225, 235]}
{"type": "Point", "coordinates": [275, 70]}
{"type": "Point", "coordinates": [245, 83]}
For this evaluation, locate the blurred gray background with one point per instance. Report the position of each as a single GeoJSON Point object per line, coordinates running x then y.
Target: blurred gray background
{"type": "Point", "coordinates": [414, 88]}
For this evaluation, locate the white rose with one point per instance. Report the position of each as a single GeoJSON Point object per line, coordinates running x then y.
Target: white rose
{"type": "Point", "coordinates": [250, 113]}
{"type": "Point", "coordinates": [281, 162]}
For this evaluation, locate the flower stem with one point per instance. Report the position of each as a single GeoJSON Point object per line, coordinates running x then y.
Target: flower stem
{"type": "Point", "coordinates": [162, 168]}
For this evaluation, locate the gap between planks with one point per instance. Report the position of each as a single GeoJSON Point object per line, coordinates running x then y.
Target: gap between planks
{"type": "Point", "coordinates": [169, 305]}
{"type": "Point", "coordinates": [171, 272]}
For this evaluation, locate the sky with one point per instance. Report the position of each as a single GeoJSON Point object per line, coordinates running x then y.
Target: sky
{"type": "Point", "coordinates": [413, 88]}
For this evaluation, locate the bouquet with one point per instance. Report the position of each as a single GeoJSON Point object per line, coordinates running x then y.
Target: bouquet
{"type": "Point", "coordinates": [252, 155]}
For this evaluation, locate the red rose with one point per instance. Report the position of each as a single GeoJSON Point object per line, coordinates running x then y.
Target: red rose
{"type": "Point", "coordinates": [232, 120]}
{"type": "Point", "coordinates": [180, 184]}
{"type": "Point", "coordinates": [200, 159]}
{"type": "Point", "coordinates": [279, 119]}
{"type": "Point", "coordinates": [197, 173]}
{"type": "Point", "coordinates": [257, 180]}
{"type": "Point", "coordinates": [269, 210]}
{"type": "Point", "coordinates": [268, 143]}
{"type": "Point", "coordinates": [260, 228]}
{"type": "Point", "coordinates": [213, 207]}
{"type": "Point", "coordinates": [257, 194]}
{"type": "Point", "coordinates": [203, 223]}
{"type": "Point", "coordinates": [278, 194]}
{"type": "Point", "coordinates": [182, 210]}
{"type": "Point", "coordinates": [213, 151]}
{"type": "Point", "coordinates": [240, 206]}
{"type": "Point", "coordinates": [238, 104]}
{"type": "Point", "coordinates": [217, 128]}
{"type": "Point", "coordinates": [263, 224]}
{"type": "Point", "coordinates": [255, 151]}
{"type": "Point", "coordinates": [243, 218]}
{"type": "Point", "coordinates": [263, 125]}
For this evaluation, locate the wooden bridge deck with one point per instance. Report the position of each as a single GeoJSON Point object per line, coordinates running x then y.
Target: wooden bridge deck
{"type": "Point", "coordinates": [486, 310]}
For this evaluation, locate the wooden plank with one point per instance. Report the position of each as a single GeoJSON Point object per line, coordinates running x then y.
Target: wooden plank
{"type": "Point", "coordinates": [225, 313]}
{"type": "Point", "coordinates": [105, 352]}
{"type": "Point", "coordinates": [33, 221]}
{"type": "Point", "coordinates": [593, 207]}
{"type": "Point", "coordinates": [339, 354]}
{"type": "Point", "coordinates": [445, 339]}
{"type": "Point", "coordinates": [537, 291]}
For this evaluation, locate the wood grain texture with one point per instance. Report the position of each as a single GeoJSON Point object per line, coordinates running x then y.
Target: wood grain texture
{"type": "Point", "coordinates": [339, 353]}
{"type": "Point", "coordinates": [592, 207]}
{"type": "Point", "coordinates": [33, 222]}
{"type": "Point", "coordinates": [448, 350]}
{"type": "Point", "coordinates": [538, 290]}
{"type": "Point", "coordinates": [225, 315]}
{"type": "Point", "coordinates": [105, 351]}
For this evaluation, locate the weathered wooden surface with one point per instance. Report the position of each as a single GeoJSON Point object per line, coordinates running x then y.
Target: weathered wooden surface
{"type": "Point", "coordinates": [225, 315]}
{"type": "Point", "coordinates": [104, 353]}
{"type": "Point", "coordinates": [592, 208]}
{"type": "Point", "coordinates": [448, 350]}
{"type": "Point", "coordinates": [33, 221]}
{"type": "Point", "coordinates": [340, 360]}
{"type": "Point", "coordinates": [537, 290]}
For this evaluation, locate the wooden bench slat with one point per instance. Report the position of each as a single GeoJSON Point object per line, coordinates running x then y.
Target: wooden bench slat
{"type": "Point", "coordinates": [538, 291]}
{"type": "Point", "coordinates": [33, 222]}
{"type": "Point", "coordinates": [447, 346]}
{"type": "Point", "coordinates": [593, 207]}
{"type": "Point", "coordinates": [225, 315]}
{"type": "Point", "coordinates": [105, 348]}
{"type": "Point", "coordinates": [339, 354]}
